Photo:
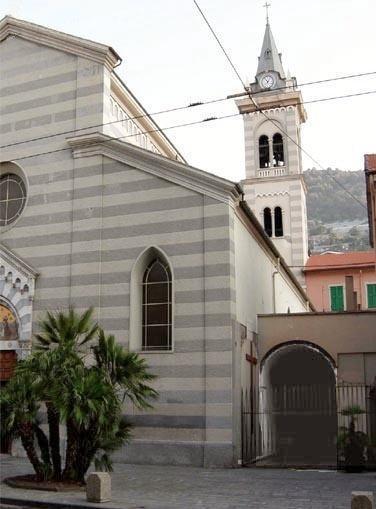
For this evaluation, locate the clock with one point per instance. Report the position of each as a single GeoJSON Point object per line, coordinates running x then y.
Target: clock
{"type": "Point", "coordinates": [267, 81]}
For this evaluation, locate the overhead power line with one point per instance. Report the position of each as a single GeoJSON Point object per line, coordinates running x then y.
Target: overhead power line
{"type": "Point", "coordinates": [248, 92]}
{"type": "Point", "coordinates": [187, 124]}
{"type": "Point", "coordinates": [185, 107]}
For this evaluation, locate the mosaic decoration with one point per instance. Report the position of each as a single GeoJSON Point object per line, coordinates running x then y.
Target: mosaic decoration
{"type": "Point", "coordinates": [8, 324]}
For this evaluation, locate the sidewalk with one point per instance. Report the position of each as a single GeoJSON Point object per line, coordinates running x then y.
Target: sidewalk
{"type": "Point", "coordinates": [164, 487]}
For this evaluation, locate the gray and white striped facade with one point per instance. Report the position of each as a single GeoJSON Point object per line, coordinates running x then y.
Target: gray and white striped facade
{"type": "Point", "coordinates": [95, 204]}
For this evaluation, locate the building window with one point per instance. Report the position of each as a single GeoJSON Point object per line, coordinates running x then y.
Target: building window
{"type": "Point", "coordinates": [156, 307]}
{"type": "Point", "coordinates": [336, 298]}
{"type": "Point", "coordinates": [278, 222]}
{"type": "Point", "coordinates": [264, 151]}
{"type": "Point", "coordinates": [12, 198]}
{"type": "Point", "coordinates": [371, 295]}
{"type": "Point", "coordinates": [278, 156]}
{"type": "Point", "coordinates": [268, 221]}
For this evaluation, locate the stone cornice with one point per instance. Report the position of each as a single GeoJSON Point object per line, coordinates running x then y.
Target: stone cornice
{"type": "Point", "coordinates": [174, 171]}
{"type": "Point", "coordinates": [85, 48]}
{"type": "Point", "coordinates": [290, 177]}
{"type": "Point", "coordinates": [271, 101]}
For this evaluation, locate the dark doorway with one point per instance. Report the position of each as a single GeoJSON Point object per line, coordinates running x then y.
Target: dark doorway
{"type": "Point", "coordinates": [298, 408]}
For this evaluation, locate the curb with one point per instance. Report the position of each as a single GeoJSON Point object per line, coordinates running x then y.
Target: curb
{"type": "Point", "coordinates": [19, 502]}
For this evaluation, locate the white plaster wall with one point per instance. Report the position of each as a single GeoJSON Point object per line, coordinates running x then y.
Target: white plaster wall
{"type": "Point", "coordinates": [254, 281]}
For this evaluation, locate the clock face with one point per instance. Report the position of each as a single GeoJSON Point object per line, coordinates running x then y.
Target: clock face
{"type": "Point", "coordinates": [268, 81]}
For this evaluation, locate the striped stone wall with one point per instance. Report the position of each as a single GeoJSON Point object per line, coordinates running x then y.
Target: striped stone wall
{"type": "Point", "coordinates": [86, 221]}
{"type": "Point", "coordinates": [285, 190]}
{"type": "Point", "coordinates": [83, 235]}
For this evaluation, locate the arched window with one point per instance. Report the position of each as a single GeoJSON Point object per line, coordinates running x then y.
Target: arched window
{"type": "Point", "coordinates": [278, 222]}
{"type": "Point", "coordinates": [264, 151]}
{"type": "Point", "coordinates": [268, 221]}
{"type": "Point", "coordinates": [156, 307]}
{"type": "Point", "coordinates": [278, 156]}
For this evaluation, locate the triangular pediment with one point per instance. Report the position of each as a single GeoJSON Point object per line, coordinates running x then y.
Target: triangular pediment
{"type": "Point", "coordinates": [61, 41]}
{"type": "Point", "coordinates": [144, 160]}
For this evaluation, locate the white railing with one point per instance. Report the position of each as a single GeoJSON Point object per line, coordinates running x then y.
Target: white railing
{"type": "Point", "coordinates": [276, 171]}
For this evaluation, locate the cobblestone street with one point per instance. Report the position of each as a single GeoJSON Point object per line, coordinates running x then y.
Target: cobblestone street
{"type": "Point", "coordinates": [161, 487]}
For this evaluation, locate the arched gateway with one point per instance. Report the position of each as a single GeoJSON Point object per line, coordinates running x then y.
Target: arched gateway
{"type": "Point", "coordinates": [297, 406]}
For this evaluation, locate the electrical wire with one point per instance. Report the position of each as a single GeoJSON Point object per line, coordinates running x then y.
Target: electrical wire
{"type": "Point", "coordinates": [246, 89]}
{"type": "Point", "coordinates": [185, 107]}
{"type": "Point", "coordinates": [202, 121]}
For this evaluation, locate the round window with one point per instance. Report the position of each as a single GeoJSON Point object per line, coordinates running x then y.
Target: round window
{"type": "Point", "coordinates": [12, 198]}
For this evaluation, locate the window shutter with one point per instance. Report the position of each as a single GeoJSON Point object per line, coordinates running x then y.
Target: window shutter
{"type": "Point", "coordinates": [371, 295]}
{"type": "Point", "coordinates": [336, 298]}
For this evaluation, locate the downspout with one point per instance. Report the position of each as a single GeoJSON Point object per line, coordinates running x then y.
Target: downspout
{"type": "Point", "coordinates": [273, 284]}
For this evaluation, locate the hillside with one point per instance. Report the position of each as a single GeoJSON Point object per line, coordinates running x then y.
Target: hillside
{"type": "Point", "coordinates": [335, 220]}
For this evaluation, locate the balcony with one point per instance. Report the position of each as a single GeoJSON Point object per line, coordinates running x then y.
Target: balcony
{"type": "Point", "coordinates": [275, 171]}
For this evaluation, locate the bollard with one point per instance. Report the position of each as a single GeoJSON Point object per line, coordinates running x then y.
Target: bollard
{"type": "Point", "coordinates": [362, 500]}
{"type": "Point", "coordinates": [98, 487]}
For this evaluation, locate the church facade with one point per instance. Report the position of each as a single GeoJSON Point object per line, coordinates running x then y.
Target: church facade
{"type": "Point", "coordinates": [97, 206]}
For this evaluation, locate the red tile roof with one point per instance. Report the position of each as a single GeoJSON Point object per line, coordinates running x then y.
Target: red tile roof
{"type": "Point", "coordinates": [331, 260]}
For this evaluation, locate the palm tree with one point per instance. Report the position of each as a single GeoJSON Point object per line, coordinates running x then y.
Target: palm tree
{"type": "Point", "coordinates": [125, 370]}
{"type": "Point", "coordinates": [88, 399]}
{"type": "Point", "coordinates": [19, 408]}
{"type": "Point", "coordinates": [61, 346]}
{"type": "Point", "coordinates": [93, 413]}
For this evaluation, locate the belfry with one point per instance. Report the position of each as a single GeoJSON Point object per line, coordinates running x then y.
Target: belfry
{"type": "Point", "coordinates": [274, 185]}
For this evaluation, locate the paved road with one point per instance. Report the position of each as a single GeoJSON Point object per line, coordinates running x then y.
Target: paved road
{"type": "Point", "coordinates": [161, 487]}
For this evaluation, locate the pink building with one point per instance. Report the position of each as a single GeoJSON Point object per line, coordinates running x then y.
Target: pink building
{"type": "Point", "coordinates": [342, 281]}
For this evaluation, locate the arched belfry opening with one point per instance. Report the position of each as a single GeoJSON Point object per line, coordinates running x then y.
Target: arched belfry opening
{"type": "Point", "coordinates": [264, 155]}
{"type": "Point", "coordinates": [278, 153]}
{"type": "Point", "coordinates": [298, 411]}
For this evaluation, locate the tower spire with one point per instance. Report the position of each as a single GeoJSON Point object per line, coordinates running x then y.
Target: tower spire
{"type": "Point", "coordinates": [270, 59]}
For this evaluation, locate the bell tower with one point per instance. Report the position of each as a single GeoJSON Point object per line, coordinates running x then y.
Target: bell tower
{"type": "Point", "coordinates": [274, 185]}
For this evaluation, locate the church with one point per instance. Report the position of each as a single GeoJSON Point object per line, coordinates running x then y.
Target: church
{"type": "Point", "coordinates": [98, 208]}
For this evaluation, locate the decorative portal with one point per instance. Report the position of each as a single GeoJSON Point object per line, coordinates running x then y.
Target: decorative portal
{"type": "Point", "coordinates": [8, 334]}
{"type": "Point", "coordinates": [156, 307]}
{"type": "Point", "coordinates": [8, 325]}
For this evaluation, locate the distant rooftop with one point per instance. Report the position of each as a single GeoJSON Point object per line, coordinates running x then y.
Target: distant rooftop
{"type": "Point", "coordinates": [333, 260]}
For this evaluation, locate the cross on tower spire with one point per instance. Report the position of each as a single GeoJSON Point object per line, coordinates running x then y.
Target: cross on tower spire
{"type": "Point", "coordinates": [266, 5]}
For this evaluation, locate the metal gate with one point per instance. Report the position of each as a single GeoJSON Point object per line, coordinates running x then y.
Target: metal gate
{"type": "Point", "coordinates": [302, 425]}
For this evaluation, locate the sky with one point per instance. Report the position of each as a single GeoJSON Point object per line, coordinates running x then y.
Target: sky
{"type": "Point", "coordinates": [170, 59]}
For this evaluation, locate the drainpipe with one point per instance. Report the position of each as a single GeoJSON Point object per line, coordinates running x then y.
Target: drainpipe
{"type": "Point", "coordinates": [273, 282]}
